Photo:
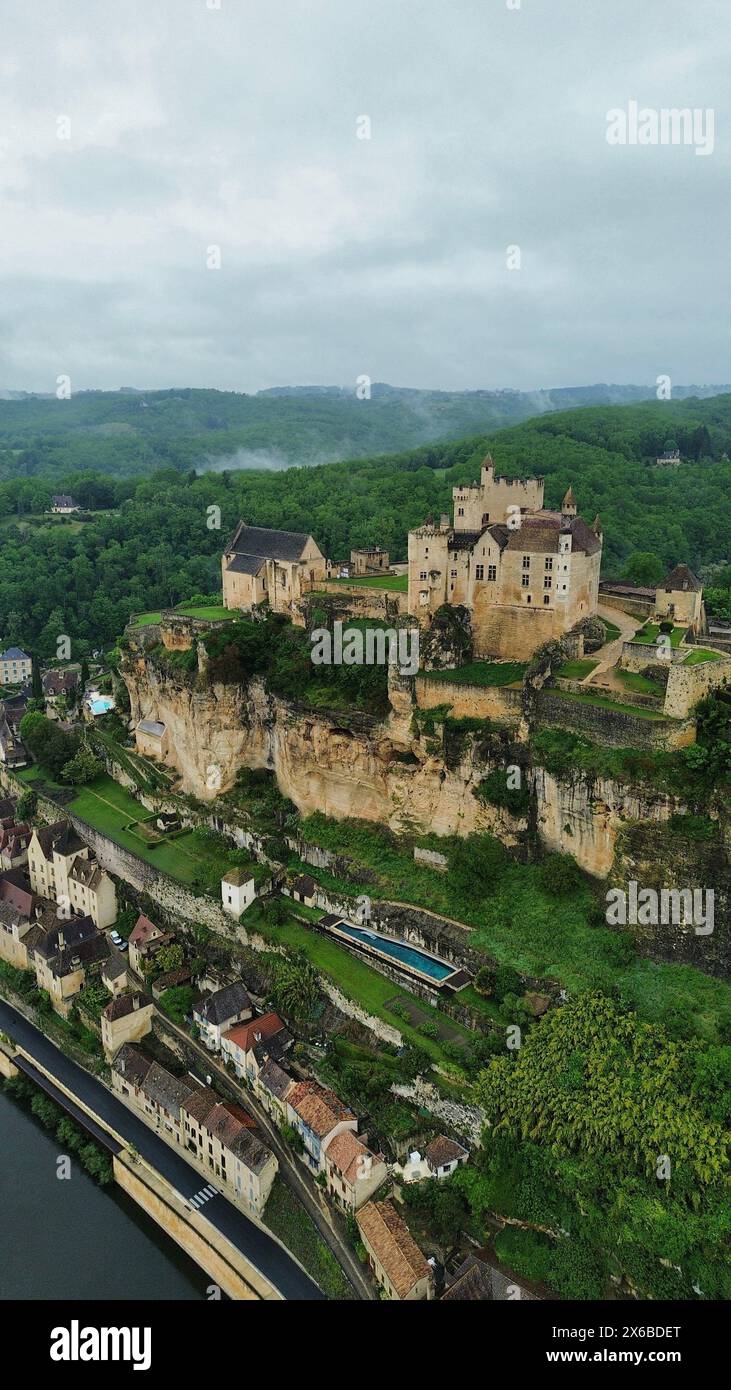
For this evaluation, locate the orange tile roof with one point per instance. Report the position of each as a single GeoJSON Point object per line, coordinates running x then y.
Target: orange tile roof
{"type": "Point", "coordinates": [392, 1244]}
{"type": "Point", "coordinates": [245, 1035]}
{"type": "Point", "coordinates": [350, 1155]}
{"type": "Point", "coordinates": [320, 1108]}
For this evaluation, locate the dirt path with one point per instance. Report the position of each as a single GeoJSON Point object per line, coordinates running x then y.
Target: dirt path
{"type": "Point", "coordinates": [608, 655]}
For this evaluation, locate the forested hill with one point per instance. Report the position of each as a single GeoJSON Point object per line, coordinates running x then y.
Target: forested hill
{"type": "Point", "coordinates": [149, 543]}
{"type": "Point", "coordinates": [131, 433]}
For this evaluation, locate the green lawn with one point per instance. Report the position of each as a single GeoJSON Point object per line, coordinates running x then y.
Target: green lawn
{"type": "Point", "coordinates": [649, 634]}
{"type": "Point", "coordinates": [213, 614]}
{"type": "Point", "coordinates": [287, 1218]}
{"type": "Point", "coordinates": [640, 684]}
{"type": "Point", "coordinates": [399, 583]}
{"type": "Point", "coordinates": [699, 655]}
{"type": "Point", "coordinates": [481, 673]}
{"type": "Point", "coordinates": [110, 808]}
{"type": "Point", "coordinates": [357, 980]}
{"type": "Point", "coordinates": [576, 670]}
{"type": "Point", "coordinates": [611, 630]}
{"type": "Point", "coordinates": [604, 702]}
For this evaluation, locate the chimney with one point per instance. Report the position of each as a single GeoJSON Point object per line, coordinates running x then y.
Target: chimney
{"type": "Point", "coordinates": [135, 1001]}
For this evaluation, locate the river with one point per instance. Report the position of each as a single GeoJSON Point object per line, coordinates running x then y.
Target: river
{"type": "Point", "coordinates": [71, 1239]}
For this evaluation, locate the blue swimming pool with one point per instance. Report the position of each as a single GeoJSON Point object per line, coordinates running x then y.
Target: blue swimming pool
{"type": "Point", "coordinates": [102, 705]}
{"type": "Point", "coordinates": [407, 955]}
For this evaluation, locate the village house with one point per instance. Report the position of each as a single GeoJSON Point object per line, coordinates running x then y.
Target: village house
{"type": "Point", "coordinates": [15, 666]}
{"type": "Point", "coordinates": [369, 560]}
{"type": "Point", "coordinates": [680, 599]}
{"type": "Point", "coordinates": [318, 1115]}
{"type": "Point", "coordinates": [272, 1086]}
{"type": "Point", "coordinates": [352, 1171]}
{"type": "Point", "coordinates": [60, 869]}
{"type": "Point", "coordinates": [216, 1135]}
{"type": "Point", "coordinates": [303, 889]}
{"type": "Point", "coordinates": [19, 934]}
{"type": "Point", "coordinates": [524, 573]}
{"type": "Point", "coordinates": [65, 957]}
{"type": "Point", "coordinates": [63, 504]}
{"type": "Point", "coordinates": [396, 1260]}
{"type": "Point", "coordinates": [126, 1018]}
{"type": "Point", "coordinates": [237, 1045]}
{"type": "Point", "coordinates": [264, 566]}
{"type": "Point", "coordinates": [60, 684]}
{"type": "Point", "coordinates": [115, 975]}
{"type": "Point", "coordinates": [237, 891]}
{"type": "Point", "coordinates": [14, 841]}
{"type": "Point", "coordinates": [145, 941]}
{"type": "Point", "coordinates": [217, 1013]}
{"type": "Point", "coordinates": [12, 750]}
{"type": "Point", "coordinates": [171, 979]}
{"type": "Point", "coordinates": [151, 737]}
{"type": "Point", "coordinates": [443, 1156]}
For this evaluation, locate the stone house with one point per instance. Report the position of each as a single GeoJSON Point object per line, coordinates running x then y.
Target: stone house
{"type": "Point", "coordinates": [318, 1115]}
{"type": "Point", "coordinates": [443, 1156]}
{"type": "Point", "coordinates": [63, 504]}
{"type": "Point", "coordinates": [369, 560]}
{"type": "Point", "coordinates": [238, 1043]}
{"type": "Point", "coordinates": [65, 957]}
{"type": "Point", "coordinates": [524, 573]}
{"type": "Point", "coordinates": [151, 738]}
{"type": "Point", "coordinates": [237, 891]}
{"type": "Point", "coordinates": [126, 1018]}
{"type": "Point", "coordinates": [216, 1135]}
{"type": "Point", "coordinates": [680, 599]}
{"type": "Point", "coordinates": [352, 1171]}
{"type": "Point", "coordinates": [60, 869]}
{"type": "Point", "coordinates": [272, 1085]}
{"type": "Point", "coordinates": [16, 666]}
{"type": "Point", "coordinates": [115, 975]}
{"type": "Point", "coordinates": [396, 1260]}
{"type": "Point", "coordinates": [14, 842]}
{"type": "Point", "coordinates": [144, 941]}
{"type": "Point", "coordinates": [217, 1013]}
{"type": "Point", "coordinates": [264, 566]}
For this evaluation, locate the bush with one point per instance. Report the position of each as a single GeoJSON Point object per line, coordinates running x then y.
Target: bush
{"type": "Point", "coordinates": [559, 875]}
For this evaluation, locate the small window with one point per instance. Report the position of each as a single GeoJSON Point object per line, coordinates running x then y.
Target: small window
{"type": "Point", "coordinates": [492, 571]}
{"type": "Point", "coordinates": [546, 598]}
{"type": "Point", "coordinates": [549, 562]}
{"type": "Point", "coordinates": [485, 518]}
{"type": "Point", "coordinates": [526, 562]}
{"type": "Point", "coordinates": [528, 598]}
{"type": "Point", "coordinates": [480, 572]}
{"type": "Point", "coordinates": [547, 581]}
{"type": "Point", "coordinates": [460, 511]}
{"type": "Point", "coordinates": [422, 574]}
{"type": "Point", "coordinates": [525, 580]}
{"type": "Point", "coordinates": [454, 574]}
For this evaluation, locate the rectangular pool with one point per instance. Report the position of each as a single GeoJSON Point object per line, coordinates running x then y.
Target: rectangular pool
{"type": "Point", "coordinates": [410, 956]}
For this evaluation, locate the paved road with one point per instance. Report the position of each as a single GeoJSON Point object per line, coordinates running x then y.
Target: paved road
{"type": "Point", "coordinates": [259, 1248]}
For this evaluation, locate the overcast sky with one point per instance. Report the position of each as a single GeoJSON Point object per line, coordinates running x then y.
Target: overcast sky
{"type": "Point", "coordinates": [193, 127]}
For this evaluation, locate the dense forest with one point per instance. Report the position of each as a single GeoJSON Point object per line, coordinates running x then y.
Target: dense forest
{"type": "Point", "coordinates": [153, 542]}
{"type": "Point", "coordinates": [136, 433]}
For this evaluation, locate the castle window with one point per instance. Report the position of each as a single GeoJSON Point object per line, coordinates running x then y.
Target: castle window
{"type": "Point", "coordinates": [547, 581]}
{"type": "Point", "coordinates": [454, 574]}
{"type": "Point", "coordinates": [480, 572]}
{"type": "Point", "coordinates": [549, 562]}
{"type": "Point", "coordinates": [526, 562]}
{"type": "Point", "coordinates": [492, 571]}
{"type": "Point", "coordinates": [426, 552]}
{"type": "Point", "coordinates": [546, 598]}
{"type": "Point", "coordinates": [423, 574]}
{"type": "Point", "coordinates": [528, 598]}
{"type": "Point", "coordinates": [460, 511]}
{"type": "Point", "coordinates": [485, 518]}
{"type": "Point", "coordinates": [525, 579]}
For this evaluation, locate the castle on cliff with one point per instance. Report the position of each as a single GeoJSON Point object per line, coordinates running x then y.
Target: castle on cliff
{"type": "Point", "coordinates": [525, 574]}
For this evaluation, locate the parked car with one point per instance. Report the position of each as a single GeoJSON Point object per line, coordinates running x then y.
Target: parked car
{"type": "Point", "coordinates": [118, 940]}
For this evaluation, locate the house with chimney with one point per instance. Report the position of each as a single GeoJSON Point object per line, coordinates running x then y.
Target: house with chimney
{"type": "Point", "coordinates": [65, 957]}
{"type": "Point", "coordinates": [217, 1013]}
{"type": "Point", "coordinates": [399, 1266]}
{"type": "Point", "coordinates": [145, 940]}
{"type": "Point", "coordinates": [125, 1019]}
{"type": "Point", "coordinates": [61, 868]}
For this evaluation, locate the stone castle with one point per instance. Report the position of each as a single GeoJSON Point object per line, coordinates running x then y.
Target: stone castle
{"type": "Point", "coordinates": [525, 574]}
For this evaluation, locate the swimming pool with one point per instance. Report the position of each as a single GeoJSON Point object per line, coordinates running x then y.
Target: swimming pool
{"type": "Point", "coordinates": [388, 946]}
{"type": "Point", "coordinates": [101, 705]}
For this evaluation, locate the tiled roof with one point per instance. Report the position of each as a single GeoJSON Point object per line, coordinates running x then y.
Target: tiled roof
{"type": "Point", "coordinates": [267, 544]}
{"type": "Point", "coordinates": [349, 1155]}
{"type": "Point", "coordinates": [388, 1236]}
{"type": "Point", "coordinates": [165, 1089]}
{"type": "Point", "coordinates": [59, 838]}
{"type": "Point", "coordinates": [442, 1151]}
{"type": "Point", "coordinates": [152, 726]}
{"type": "Point", "coordinates": [245, 1035]}
{"type": "Point", "coordinates": [125, 1004]}
{"type": "Point", "coordinates": [246, 564]}
{"type": "Point", "coordinates": [238, 877]}
{"type": "Point", "coordinates": [319, 1108]}
{"type": "Point", "coordinates": [225, 1004]}
{"type": "Point", "coordinates": [143, 930]}
{"type": "Point", "coordinates": [15, 888]}
{"type": "Point", "coordinates": [681, 578]}
{"type": "Point", "coordinates": [472, 1283]}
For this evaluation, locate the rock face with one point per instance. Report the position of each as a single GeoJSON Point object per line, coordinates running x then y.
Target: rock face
{"type": "Point", "coordinates": [354, 765]}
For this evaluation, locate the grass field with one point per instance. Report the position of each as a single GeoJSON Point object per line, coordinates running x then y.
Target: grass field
{"type": "Point", "coordinates": [110, 808]}
{"type": "Point", "coordinates": [481, 673]}
{"type": "Point", "coordinates": [398, 583]}
{"type": "Point", "coordinates": [640, 684]}
{"type": "Point", "coordinates": [213, 614]}
{"type": "Point", "coordinates": [611, 630]}
{"type": "Point", "coordinates": [699, 655]}
{"type": "Point", "coordinates": [576, 670]}
{"type": "Point", "coordinates": [649, 634]}
{"type": "Point", "coordinates": [287, 1218]}
{"type": "Point", "coordinates": [604, 702]}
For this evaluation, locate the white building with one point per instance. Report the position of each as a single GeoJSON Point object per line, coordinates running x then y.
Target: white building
{"type": "Point", "coordinates": [237, 891]}
{"type": "Point", "coordinates": [15, 666]}
{"type": "Point", "coordinates": [60, 869]}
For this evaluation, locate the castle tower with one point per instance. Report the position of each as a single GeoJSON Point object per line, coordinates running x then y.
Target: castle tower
{"type": "Point", "coordinates": [568, 506]}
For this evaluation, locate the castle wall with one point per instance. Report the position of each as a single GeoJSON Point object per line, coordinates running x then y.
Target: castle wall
{"type": "Point", "coordinates": [470, 701]}
{"type": "Point", "coordinates": [689, 684]}
{"type": "Point", "coordinates": [614, 728]}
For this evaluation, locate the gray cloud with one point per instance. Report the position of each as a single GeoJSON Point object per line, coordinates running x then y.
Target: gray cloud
{"type": "Point", "coordinates": [236, 127]}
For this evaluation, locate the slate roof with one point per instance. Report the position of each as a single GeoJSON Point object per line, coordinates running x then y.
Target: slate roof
{"type": "Point", "coordinates": [472, 1283]}
{"type": "Point", "coordinates": [393, 1245]}
{"type": "Point", "coordinates": [86, 872]}
{"type": "Point", "coordinates": [115, 966]}
{"type": "Point", "coordinates": [152, 726]}
{"type": "Point", "coordinates": [59, 838]}
{"type": "Point", "coordinates": [59, 682]}
{"type": "Point", "coordinates": [238, 877]}
{"type": "Point", "coordinates": [14, 654]}
{"type": "Point", "coordinates": [681, 578]}
{"type": "Point", "coordinates": [75, 957]}
{"type": "Point", "coordinates": [246, 564]}
{"type": "Point", "coordinates": [65, 935]}
{"type": "Point", "coordinates": [225, 1004]}
{"type": "Point", "coordinates": [268, 544]}
{"type": "Point", "coordinates": [132, 1064]}
{"type": "Point", "coordinates": [165, 1089]}
{"type": "Point", "coordinates": [124, 1004]}
{"type": "Point", "coordinates": [305, 885]}
{"type": "Point", "coordinates": [275, 1080]}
